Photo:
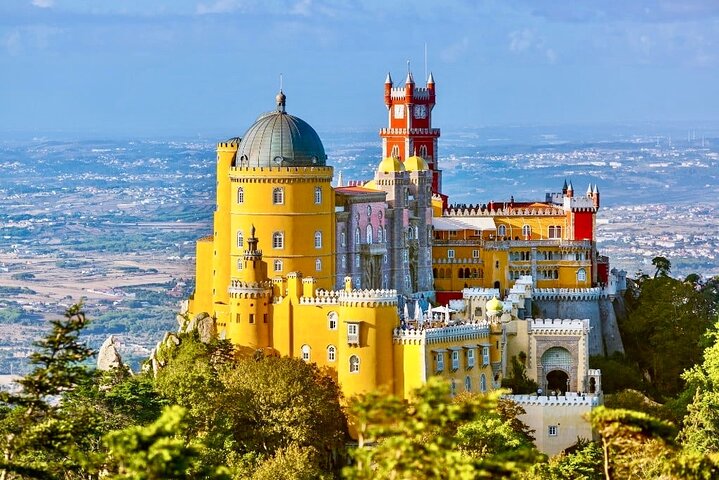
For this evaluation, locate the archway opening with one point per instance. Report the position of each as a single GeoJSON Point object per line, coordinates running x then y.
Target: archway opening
{"type": "Point", "coordinates": [497, 285]}
{"type": "Point", "coordinates": [557, 381]}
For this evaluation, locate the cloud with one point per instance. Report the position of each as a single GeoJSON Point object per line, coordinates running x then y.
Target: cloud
{"type": "Point", "coordinates": [43, 3]}
{"type": "Point", "coordinates": [521, 40]}
{"type": "Point", "coordinates": [12, 42]}
{"type": "Point", "coordinates": [455, 51]}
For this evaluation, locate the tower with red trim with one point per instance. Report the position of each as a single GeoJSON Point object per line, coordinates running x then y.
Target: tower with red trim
{"type": "Point", "coordinates": [409, 130]}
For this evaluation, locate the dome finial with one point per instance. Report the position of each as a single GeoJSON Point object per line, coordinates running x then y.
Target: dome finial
{"type": "Point", "coordinates": [281, 101]}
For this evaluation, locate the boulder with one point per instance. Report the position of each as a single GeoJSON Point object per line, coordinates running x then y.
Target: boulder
{"type": "Point", "coordinates": [108, 357]}
{"type": "Point", "coordinates": [206, 328]}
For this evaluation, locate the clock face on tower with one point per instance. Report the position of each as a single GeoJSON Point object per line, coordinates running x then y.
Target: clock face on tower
{"type": "Point", "coordinates": [420, 111]}
{"type": "Point", "coordinates": [399, 111]}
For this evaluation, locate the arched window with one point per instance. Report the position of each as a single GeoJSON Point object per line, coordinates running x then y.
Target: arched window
{"type": "Point", "coordinates": [331, 353]}
{"type": "Point", "coordinates": [369, 233]}
{"type": "Point", "coordinates": [410, 233]}
{"type": "Point", "coordinates": [460, 273]}
{"type": "Point", "coordinates": [240, 195]}
{"type": "Point", "coordinates": [379, 234]}
{"type": "Point", "coordinates": [527, 231]}
{"type": "Point", "coordinates": [468, 383]}
{"type": "Point", "coordinates": [502, 231]}
{"type": "Point", "coordinates": [344, 262]}
{"type": "Point", "coordinates": [357, 236]}
{"type": "Point", "coordinates": [240, 264]}
{"type": "Point", "coordinates": [318, 265]}
{"type": "Point", "coordinates": [581, 275]}
{"type": "Point", "coordinates": [423, 151]}
{"type": "Point", "coordinates": [483, 383]}
{"type": "Point", "coordinates": [278, 240]}
{"type": "Point", "coordinates": [395, 151]}
{"type": "Point", "coordinates": [332, 320]}
{"type": "Point", "coordinates": [278, 196]}
{"type": "Point", "coordinates": [318, 195]}
{"type": "Point", "coordinates": [384, 233]}
{"type": "Point", "coordinates": [343, 239]}
{"type": "Point", "coordinates": [318, 239]}
{"type": "Point", "coordinates": [240, 239]}
{"type": "Point", "coordinates": [277, 265]}
{"type": "Point", "coordinates": [434, 273]}
{"type": "Point", "coordinates": [306, 353]}
{"type": "Point", "coordinates": [354, 364]}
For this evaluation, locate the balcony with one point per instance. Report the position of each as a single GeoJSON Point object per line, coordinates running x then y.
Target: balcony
{"type": "Point", "coordinates": [373, 248]}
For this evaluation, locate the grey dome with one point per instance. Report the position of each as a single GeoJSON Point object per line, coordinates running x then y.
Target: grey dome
{"type": "Point", "coordinates": [280, 139]}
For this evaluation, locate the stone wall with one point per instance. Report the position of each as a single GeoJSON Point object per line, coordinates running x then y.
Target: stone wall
{"type": "Point", "coordinates": [570, 308]}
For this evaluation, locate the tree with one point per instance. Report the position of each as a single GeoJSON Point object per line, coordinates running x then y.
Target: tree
{"type": "Point", "coordinates": [432, 437]}
{"type": "Point", "coordinates": [517, 381]}
{"type": "Point", "coordinates": [158, 451]}
{"type": "Point", "coordinates": [583, 461]}
{"type": "Point", "coordinates": [664, 330]}
{"type": "Point", "coordinates": [663, 266]}
{"type": "Point", "coordinates": [632, 443]}
{"type": "Point", "coordinates": [40, 436]}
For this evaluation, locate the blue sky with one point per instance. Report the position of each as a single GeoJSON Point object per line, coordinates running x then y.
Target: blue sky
{"type": "Point", "coordinates": [209, 67]}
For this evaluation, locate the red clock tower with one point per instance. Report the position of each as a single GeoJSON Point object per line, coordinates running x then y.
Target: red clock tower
{"type": "Point", "coordinates": [410, 129]}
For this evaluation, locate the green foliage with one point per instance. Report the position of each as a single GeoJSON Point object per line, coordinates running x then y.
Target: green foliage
{"type": "Point", "coordinates": [664, 330]}
{"type": "Point", "coordinates": [517, 381]}
{"type": "Point", "coordinates": [583, 461]}
{"type": "Point", "coordinates": [158, 451]}
{"type": "Point", "coordinates": [637, 401]}
{"type": "Point", "coordinates": [663, 267]}
{"type": "Point", "coordinates": [432, 436]}
{"type": "Point", "coordinates": [618, 373]}
{"type": "Point", "coordinates": [291, 463]}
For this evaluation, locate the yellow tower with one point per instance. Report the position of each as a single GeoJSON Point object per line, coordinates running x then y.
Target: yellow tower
{"type": "Point", "coordinates": [280, 183]}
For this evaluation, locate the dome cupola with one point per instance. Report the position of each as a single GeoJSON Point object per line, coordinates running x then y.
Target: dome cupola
{"type": "Point", "coordinates": [278, 139]}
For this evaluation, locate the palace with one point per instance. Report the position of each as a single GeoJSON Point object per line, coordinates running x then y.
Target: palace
{"type": "Point", "coordinates": [346, 276]}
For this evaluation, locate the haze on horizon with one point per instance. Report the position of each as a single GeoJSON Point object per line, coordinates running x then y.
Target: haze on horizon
{"type": "Point", "coordinates": [209, 67]}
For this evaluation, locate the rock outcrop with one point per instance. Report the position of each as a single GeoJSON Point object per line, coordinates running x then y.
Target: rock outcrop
{"type": "Point", "coordinates": [108, 357]}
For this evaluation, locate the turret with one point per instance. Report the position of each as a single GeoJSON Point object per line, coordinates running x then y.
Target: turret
{"type": "Point", "coordinates": [409, 87]}
{"type": "Point", "coordinates": [388, 90]}
{"type": "Point", "coordinates": [570, 190]}
{"type": "Point", "coordinates": [595, 196]}
{"type": "Point", "coordinates": [430, 88]}
{"type": "Point", "coordinates": [564, 187]}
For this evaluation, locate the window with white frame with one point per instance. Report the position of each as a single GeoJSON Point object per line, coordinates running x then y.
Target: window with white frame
{"type": "Point", "coordinates": [318, 195]}
{"type": "Point", "coordinates": [450, 253]}
{"type": "Point", "coordinates": [278, 196]}
{"type": "Point", "coordinates": [318, 264]}
{"type": "Point", "coordinates": [331, 353]}
{"type": "Point", "coordinates": [455, 359]}
{"type": "Point", "coordinates": [369, 234]}
{"type": "Point", "coordinates": [470, 358]}
{"type": "Point", "coordinates": [502, 231]}
{"type": "Point", "coordinates": [439, 361]}
{"type": "Point", "coordinates": [240, 195]}
{"type": "Point", "coordinates": [395, 149]}
{"type": "Point", "coordinates": [552, 430]}
{"type": "Point", "coordinates": [277, 265]}
{"type": "Point", "coordinates": [555, 231]}
{"type": "Point", "coordinates": [318, 239]}
{"type": "Point", "coordinates": [357, 261]}
{"type": "Point", "coordinates": [240, 239]}
{"type": "Point", "coordinates": [475, 253]}
{"type": "Point", "coordinates": [332, 320]}
{"type": "Point", "coordinates": [379, 234]}
{"type": "Point", "coordinates": [354, 364]}
{"type": "Point", "coordinates": [357, 236]}
{"type": "Point", "coordinates": [527, 231]}
{"type": "Point", "coordinates": [485, 355]}
{"type": "Point", "coordinates": [278, 240]}
{"type": "Point", "coordinates": [344, 262]}
{"type": "Point", "coordinates": [483, 383]}
{"type": "Point", "coordinates": [468, 383]}
{"type": "Point", "coordinates": [581, 275]}
{"type": "Point", "coordinates": [353, 333]}
{"type": "Point", "coordinates": [240, 264]}
{"type": "Point", "coordinates": [306, 350]}
{"type": "Point", "coordinates": [369, 210]}
{"type": "Point", "coordinates": [343, 239]}
{"type": "Point", "coordinates": [405, 256]}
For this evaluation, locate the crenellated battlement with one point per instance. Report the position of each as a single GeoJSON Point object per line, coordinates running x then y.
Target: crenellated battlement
{"type": "Point", "coordinates": [468, 331]}
{"type": "Point", "coordinates": [368, 297]}
{"type": "Point", "coordinates": [228, 145]}
{"type": "Point", "coordinates": [476, 292]}
{"type": "Point", "coordinates": [570, 399]}
{"type": "Point", "coordinates": [558, 326]}
{"type": "Point", "coordinates": [240, 289]}
{"type": "Point", "coordinates": [504, 210]}
{"type": "Point", "coordinates": [571, 294]}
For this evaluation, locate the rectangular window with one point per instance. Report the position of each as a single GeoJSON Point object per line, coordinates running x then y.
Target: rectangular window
{"type": "Point", "coordinates": [252, 318]}
{"type": "Point", "coordinates": [264, 318]}
{"type": "Point", "coordinates": [475, 253]}
{"type": "Point", "coordinates": [237, 318]}
{"type": "Point", "coordinates": [455, 360]}
{"type": "Point", "coordinates": [439, 360]}
{"type": "Point", "coordinates": [353, 333]}
{"type": "Point", "coordinates": [552, 430]}
{"type": "Point", "coordinates": [470, 358]}
{"type": "Point", "coordinates": [485, 355]}
{"type": "Point", "coordinates": [450, 253]}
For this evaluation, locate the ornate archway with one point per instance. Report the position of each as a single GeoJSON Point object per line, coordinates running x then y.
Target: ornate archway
{"type": "Point", "coordinates": [556, 364]}
{"type": "Point", "coordinates": [557, 381]}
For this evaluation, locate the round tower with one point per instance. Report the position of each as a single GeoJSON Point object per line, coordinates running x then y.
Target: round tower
{"type": "Point", "coordinates": [280, 182]}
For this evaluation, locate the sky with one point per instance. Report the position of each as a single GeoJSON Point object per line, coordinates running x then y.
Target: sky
{"type": "Point", "coordinates": [210, 67]}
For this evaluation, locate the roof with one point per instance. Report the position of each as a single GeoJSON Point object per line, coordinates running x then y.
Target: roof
{"type": "Point", "coordinates": [278, 139]}
{"type": "Point", "coordinates": [463, 223]}
{"type": "Point", "coordinates": [355, 190]}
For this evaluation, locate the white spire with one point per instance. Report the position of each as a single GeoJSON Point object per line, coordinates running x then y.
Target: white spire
{"type": "Point", "coordinates": [430, 79]}
{"type": "Point", "coordinates": [596, 189]}
{"type": "Point", "coordinates": [388, 79]}
{"type": "Point", "coordinates": [589, 190]}
{"type": "Point", "coordinates": [339, 179]}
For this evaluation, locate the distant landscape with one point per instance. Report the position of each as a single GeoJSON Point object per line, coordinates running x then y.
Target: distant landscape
{"type": "Point", "coordinates": [113, 222]}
